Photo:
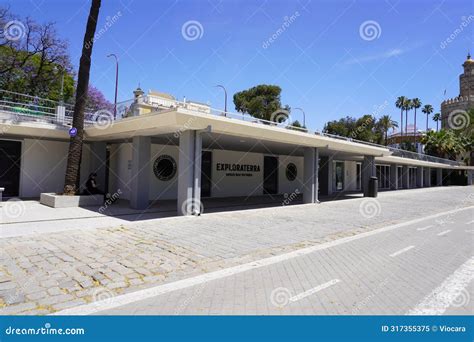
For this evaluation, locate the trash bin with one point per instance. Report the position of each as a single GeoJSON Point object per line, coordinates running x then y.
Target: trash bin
{"type": "Point", "coordinates": [373, 187]}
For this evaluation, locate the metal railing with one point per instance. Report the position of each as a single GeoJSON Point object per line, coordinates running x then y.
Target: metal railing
{"type": "Point", "coordinates": [33, 108]}
{"type": "Point", "coordinates": [22, 107]}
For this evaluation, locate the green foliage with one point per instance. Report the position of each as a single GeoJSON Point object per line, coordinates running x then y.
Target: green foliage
{"type": "Point", "coordinates": [366, 128]}
{"type": "Point", "coordinates": [35, 63]}
{"type": "Point", "coordinates": [446, 143]}
{"type": "Point", "coordinates": [261, 102]}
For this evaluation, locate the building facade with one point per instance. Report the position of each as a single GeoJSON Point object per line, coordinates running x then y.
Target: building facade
{"type": "Point", "coordinates": [465, 100]}
{"type": "Point", "coordinates": [163, 149]}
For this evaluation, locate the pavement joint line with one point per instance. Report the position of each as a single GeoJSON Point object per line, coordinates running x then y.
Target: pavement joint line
{"type": "Point", "coordinates": [314, 290]}
{"type": "Point", "coordinates": [446, 294]}
{"type": "Point", "coordinates": [444, 232]}
{"type": "Point", "coordinates": [425, 228]}
{"type": "Point", "coordinates": [406, 249]}
{"type": "Point", "coordinates": [132, 297]}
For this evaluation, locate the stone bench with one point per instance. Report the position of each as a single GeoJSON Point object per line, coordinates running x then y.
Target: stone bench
{"type": "Point", "coordinates": [59, 201]}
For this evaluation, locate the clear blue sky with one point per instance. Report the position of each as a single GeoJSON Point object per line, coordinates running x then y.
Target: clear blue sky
{"type": "Point", "coordinates": [320, 60]}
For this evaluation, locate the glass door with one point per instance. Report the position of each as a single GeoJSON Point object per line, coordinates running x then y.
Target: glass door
{"type": "Point", "coordinates": [338, 176]}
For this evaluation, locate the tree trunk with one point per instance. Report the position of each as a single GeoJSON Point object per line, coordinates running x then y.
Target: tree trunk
{"type": "Point", "coordinates": [427, 122]}
{"type": "Point", "coordinates": [406, 124]}
{"type": "Point", "coordinates": [414, 129]}
{"type": "Point", "coordinates": [72, 179]}
{"type": "Point", "coordinates": [401, 124]}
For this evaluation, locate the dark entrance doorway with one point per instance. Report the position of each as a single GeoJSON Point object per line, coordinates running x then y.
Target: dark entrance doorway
{"type": "Point", "coordinates": [10, 158]}
{"type": "Point", "coordinates": [270, 175]}
{"type": "Point", "coordinates": [206, 174]}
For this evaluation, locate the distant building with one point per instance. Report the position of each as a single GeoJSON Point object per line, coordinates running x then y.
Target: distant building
{"type": "Point", "coordinates": [395, 139]}
{"type": "Point", "coordinates": [465, 100]}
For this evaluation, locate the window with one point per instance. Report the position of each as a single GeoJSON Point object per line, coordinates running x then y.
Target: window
{"type": "Point", "coordinates": [164, 168]}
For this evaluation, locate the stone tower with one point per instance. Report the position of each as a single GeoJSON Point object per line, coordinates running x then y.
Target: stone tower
{"type": "Point", "coordinates": [465, 100]}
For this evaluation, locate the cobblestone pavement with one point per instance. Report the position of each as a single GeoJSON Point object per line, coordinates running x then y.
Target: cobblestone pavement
{"type": "Point", "coordinates": [44, 273]}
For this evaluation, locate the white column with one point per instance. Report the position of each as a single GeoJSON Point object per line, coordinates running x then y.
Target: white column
{"type": "Point", "coordinates": [186, 172]}
{"type": "Point", "coordinates": [368, 170]}
{"type": "Point", "coordinates": [197, 174]}
{"type": "Point", "coordinates": [419, 176]}
{"type": "Point", "coordinates": [140, 184]}
{"type": "Point", "coordinates": [394, 176]}
{"type": "Point", "coordinates": [310, 175]}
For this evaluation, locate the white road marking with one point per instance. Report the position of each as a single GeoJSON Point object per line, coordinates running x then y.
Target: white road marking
{"type": "Point", "coordinates": [425, 228]}
{"type": "Point", "coordinates": [444, 233]}
{"type": "Point", "coordinates": [445, 295]}
{"type": "Point", "coordinates": [132, 297]}
{"type": "Point", "coordinates": [314, 290]}
{"type": "Point", "coordinates": [470, 222]}
{"type": "Point", "coordinates": [401, 251]}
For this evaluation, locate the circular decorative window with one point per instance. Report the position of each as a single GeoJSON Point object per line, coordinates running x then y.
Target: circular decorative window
{"type": "Point", "coordinates": [164, 167]}
{"type": "Point", "coordinates": [291, 172]}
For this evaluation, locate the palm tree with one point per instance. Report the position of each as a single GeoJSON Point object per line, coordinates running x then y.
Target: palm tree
{"type": "Point", "coordinates": [416, 103]}
{"type": "Point", "coordinates": [399, 104]}
{"type": "Point", "coordinates": [71, 182]}
{"type": "Point", "coordinates": [407, 105]}
{"type": "Point", "coordinates": [427, 109]}
{"type": "Point", "coordinates": [386, 123]}
{"type": "Point", "coordinates": [437, 119]}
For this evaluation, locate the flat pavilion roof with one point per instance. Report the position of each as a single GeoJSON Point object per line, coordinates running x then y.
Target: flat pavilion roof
{"type": "Point", "coordinates": [226, 133]}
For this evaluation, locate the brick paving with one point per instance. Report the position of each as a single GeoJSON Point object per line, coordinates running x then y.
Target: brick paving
{"type": "Point", "coordinates": [44, 273]}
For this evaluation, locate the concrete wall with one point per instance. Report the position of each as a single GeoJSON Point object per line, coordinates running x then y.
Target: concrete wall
{"type": "Point", "coordinates": [225, 183]}
{"type": "Point", "coordinates": [43, 166]}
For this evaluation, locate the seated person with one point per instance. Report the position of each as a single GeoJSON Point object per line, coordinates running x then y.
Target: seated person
{"type": "Point", "coordinates": [92, 188]}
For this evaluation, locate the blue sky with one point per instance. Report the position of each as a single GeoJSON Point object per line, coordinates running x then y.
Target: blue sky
{"type": "Point", "coordinates": [323, 59]}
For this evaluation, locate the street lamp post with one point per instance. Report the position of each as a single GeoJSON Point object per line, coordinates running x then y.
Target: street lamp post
{"type": "Point", "coordinates": [61, 92]}
{"type": "Point", "coordinates": [304, 116]}
{"type": "Point", "coordinates": [116, 81]}
{"type": "Point", "coordinates": [225, 100]}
